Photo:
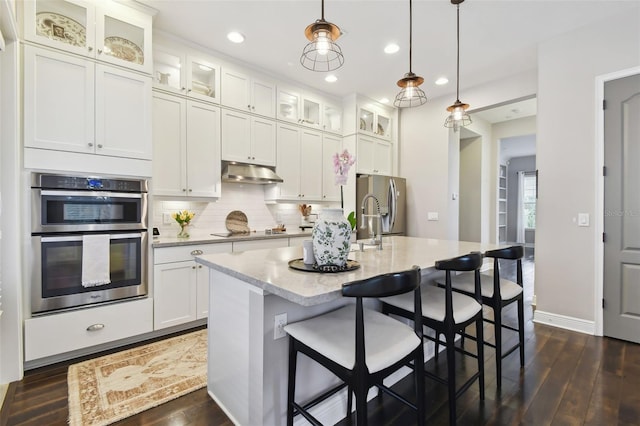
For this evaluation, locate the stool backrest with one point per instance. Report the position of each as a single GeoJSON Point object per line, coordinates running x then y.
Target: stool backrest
{"type": "Point", "coordinates": [513, 253]}
{"type": "Point", "coordinates": [382, 286]}
{"type": "Point", "coordinates": [509, 253]}
{"type": "Point", "coordinates": [464, 263]}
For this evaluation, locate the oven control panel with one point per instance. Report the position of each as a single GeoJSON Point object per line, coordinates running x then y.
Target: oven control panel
{"type": "Point", "coordinates": [89, 183]}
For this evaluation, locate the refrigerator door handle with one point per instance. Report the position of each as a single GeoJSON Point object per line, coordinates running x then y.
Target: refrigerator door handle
{"type": "Point", "coordinates": [393, 204]}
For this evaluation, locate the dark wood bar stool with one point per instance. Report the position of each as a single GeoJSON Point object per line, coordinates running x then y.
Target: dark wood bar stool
{"type": "Point", "coordinates": [448, 313]}
{"type": "Point", "coordinates": [497, 293]}
{"type": "Point", "coordinates": [361, 346]}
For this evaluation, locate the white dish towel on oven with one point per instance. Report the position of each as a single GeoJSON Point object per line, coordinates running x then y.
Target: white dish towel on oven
{"type": "Point", "coordinates": [95, 260]}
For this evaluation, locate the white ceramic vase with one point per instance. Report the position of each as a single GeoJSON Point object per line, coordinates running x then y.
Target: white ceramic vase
{"type": "Point", "coordinates": [331, 237]}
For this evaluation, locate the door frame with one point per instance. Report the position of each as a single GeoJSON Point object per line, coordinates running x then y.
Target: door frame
{"type": "Point", "coordinates": [599, 223]}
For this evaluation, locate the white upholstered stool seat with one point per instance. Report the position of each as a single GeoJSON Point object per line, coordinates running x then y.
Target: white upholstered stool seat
{"type": "Point", "coordinates": [333, 335]}
{"type": "Point", "coordinates": [464, 282]}
{"type": "Point", "coordinates": [433, 304]}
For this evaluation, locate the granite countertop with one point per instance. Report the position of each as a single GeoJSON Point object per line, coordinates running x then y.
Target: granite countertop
{"type": "Point", "coordinates": [269, 269]}
{"type": "Point", "coordinates": [205, 237]}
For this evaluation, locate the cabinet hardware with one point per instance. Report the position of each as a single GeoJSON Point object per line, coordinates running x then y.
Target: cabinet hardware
{"type": "Point", "coordinates": [90, 144]}
{"type": "Point", "coordinates": [190, 190]}
{"type": "Point", "coordinates": [183, 88]}
{"type": "Point", "coordinates": [99, 145]}
{"type": "Point", "coordinates": [89, 48]}
{"type": "Point", "coordinates": [196, 252]}
{"type": "Point", "coordinates": [95, 327]}
{"type": "Point", "coordinates": [184, 189]}
{"type": "Point", "coordinates": [199, 266]}
{"type": "Point", "coordinates": [193, 267]}
{"type": "Point", "coordinates": [99, 51]}
{"type": "Point", "coordinates": [249, 106]}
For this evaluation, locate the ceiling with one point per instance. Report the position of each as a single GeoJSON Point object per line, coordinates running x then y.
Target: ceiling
{"type": "Point", "coordinates": [498, 37]}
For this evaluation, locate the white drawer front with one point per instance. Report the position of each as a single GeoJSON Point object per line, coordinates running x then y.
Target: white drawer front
{"type": "Point", "coordinates": [182, 253]}
{"type": "Point", "coordinates": [68, 331]}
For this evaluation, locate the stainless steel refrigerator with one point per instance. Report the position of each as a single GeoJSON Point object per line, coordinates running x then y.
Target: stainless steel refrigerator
{"type": "Point", "coordinates": [391, 193]}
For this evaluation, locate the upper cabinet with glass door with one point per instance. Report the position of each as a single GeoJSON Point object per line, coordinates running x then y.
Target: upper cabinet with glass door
{"type": "Point", "coordinates": [374, 122]}
{"type": "Point", "coordinates": [332, 118]}
{"type": "Point", "coordinates": [186, 74]}
{"type": "Point", "coordinates": [300, 108]}
{"type": "Point", "coordinates": [105, 30]}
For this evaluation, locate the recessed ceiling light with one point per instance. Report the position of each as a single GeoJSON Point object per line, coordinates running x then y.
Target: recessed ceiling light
{"type": "Point", "coordinates": [391, 48]}
{"type": "Point", "coordinates": [235, 37]}
{"type": "Point", "coordinates": [442, 81]}
{"type": "Point", "coordinates": [384, 101]}
{"type": "Point", "coordinates": [204, 67]}
{"type": "Point", "coordinates": [331, 78]}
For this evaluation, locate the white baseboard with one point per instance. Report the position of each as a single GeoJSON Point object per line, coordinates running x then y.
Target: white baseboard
{"type": "Point", "coordinates": [563, 321]}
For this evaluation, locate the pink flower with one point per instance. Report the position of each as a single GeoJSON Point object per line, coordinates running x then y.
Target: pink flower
{"type": "Point", "coordinates": [342, 162]}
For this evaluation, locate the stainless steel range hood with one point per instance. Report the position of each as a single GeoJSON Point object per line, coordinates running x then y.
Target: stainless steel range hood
{"type": "Point", "coordinates": [248, 173]}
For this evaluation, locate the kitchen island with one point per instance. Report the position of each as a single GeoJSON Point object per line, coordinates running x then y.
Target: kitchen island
{"type": "Point", "coordinates": [247, 363]}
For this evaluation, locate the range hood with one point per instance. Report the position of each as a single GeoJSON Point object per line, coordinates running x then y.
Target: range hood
{"type": "Point", "coordinates": [248, 173]}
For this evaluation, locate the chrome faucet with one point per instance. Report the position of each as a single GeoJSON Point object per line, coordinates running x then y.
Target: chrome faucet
{"type": "Point", "coordinates": [375, 239]}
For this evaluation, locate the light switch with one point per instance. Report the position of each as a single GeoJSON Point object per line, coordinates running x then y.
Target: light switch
{"type": "Point", "coordinates": [432, 215]}
{"type": "Point", "coordinates": [583, 219]}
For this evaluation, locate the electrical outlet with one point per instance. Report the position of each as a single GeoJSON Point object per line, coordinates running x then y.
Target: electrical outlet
{"type": "Point", "coordinates": [167, 219]}
{"type": "Point", "coordinates": [280, 321]}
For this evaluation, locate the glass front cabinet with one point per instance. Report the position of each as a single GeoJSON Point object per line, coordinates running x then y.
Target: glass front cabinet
{"type": "Point", "coordinates": [106, 30]}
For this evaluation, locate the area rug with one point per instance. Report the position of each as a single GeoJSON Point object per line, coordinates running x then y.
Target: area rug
{"type": "Point", "coordinates": [110, 388]}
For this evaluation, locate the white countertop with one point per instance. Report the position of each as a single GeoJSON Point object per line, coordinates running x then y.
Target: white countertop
{"type": "Point", "coordinates": [269, 270]}
{"type": "Point", "coordinates": [206, 237]}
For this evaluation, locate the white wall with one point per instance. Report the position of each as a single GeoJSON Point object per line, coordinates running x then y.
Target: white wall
{"type": "Point", "coordinates": [566, 154]}
{"type": "Point", "coordinates": [470, 199]}
{"type": "Point", "coordinates": [426, 152]}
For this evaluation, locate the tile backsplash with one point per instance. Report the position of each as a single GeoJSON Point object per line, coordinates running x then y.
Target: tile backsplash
{"type": "Point", "coordinates": [210, 216]}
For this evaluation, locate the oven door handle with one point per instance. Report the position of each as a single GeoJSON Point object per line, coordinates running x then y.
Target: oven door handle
{"type": "Point", "coordinates": [45, 239]}
{"type": "Point", "coordinates": [90, 194]}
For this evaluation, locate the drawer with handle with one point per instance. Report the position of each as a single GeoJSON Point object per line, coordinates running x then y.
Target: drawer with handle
{"type": "Point", "coordinates": [188, 252]}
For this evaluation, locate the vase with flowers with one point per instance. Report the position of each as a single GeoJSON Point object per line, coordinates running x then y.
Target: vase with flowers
{"type": "Point", "coordinates": [331, 233]}
{"type": "Point", "coordinates": [184, 219]}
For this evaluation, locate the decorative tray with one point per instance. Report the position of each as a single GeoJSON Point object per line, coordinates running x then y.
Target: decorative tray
{"type": "Point", "coordinates": [124, 49]}
{"type": "Point", "coordinates": [299, 265]}
{"type": "Point", "coordinates": [61, 28]}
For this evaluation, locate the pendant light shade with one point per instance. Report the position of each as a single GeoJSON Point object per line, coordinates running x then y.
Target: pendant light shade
{"type": "Point", "coordinates": [458, 116]}
{"type": "Point", "coordinates": [322, 53]}
{"type": "Point", "coordinates": [411, 94]}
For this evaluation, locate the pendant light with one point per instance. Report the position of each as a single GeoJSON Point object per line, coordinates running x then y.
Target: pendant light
{"type": "Point", "coordinates": [322, 53]}
{"type": "Point", "coordinates": [458, 116]}
{"type": "Point", "coordinates": [411, 94]}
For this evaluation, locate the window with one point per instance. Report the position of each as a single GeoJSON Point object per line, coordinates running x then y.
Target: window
{"type": "Point", "coordinates": [529, 200]}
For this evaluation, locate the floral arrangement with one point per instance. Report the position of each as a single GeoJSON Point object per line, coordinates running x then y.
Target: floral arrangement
{"type": "Point", "coordinates": [342, 162]}
{"type": "Point", "coordinates": [183, 217]}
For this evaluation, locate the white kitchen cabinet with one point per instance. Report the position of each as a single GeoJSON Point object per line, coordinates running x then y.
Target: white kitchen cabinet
{"type": "Point", "coordinates": [332, 118]}
{"type": "Point", "coordinates": [248, 139]}
{"type": "Point", "coordinates": [180, 285]}
{"type": "Point", "coordinates": [54, 334]}
{"type": "Point", "coordinates": [72, 104]}
{"type": "Point", "coordinates": [107, 31]}
{"type": "Point", "coordinates": [194, 76]}
{"type": "Point", "coordinates": [374, 122]}
{"type": "Point", "coordinates": [374, 155]}
{"type": "Point", "coordinates": [186, 142]}
{"type": "Point", "coordinates": [331, 144]}
{"type": "Point", "coordinates": [299, 165]}
{"type": "Point", "coordinates": [248, 93]}
{"type": "Point", "coordinates": [300, 108]}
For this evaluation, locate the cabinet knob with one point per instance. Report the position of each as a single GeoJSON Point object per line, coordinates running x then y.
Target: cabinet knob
{"type": "Point", "coordinates": [253, 107]}
{"type": "Point", "coordinates": [95, 327]}
{"type": "Point", "coordinates": [90, 144]}
{"type": "Point", "coordinates": [188, 90]}
{"type": "Point", "coordinates": [89, 48]}
{"type": "Point", "coordinates": [99, 51]}
{"type": "Point", "coordinates": [99, 145]}
{"type": "Point", "coordinates": [253, 158]}
{"type": "Point", "coordinates": [190, 190]}
{"type": "Point", "coordinates": [183, 88]}
{"type": "Point", "coordinates": [196, 252]}
{"type": "Point", "coordinates": [193, 267]}
{"type": "Point", "coordinates": [184, 189]}
{"type": "Point", "coordinates": [249, 106]}
{"type": "Point", "coordinates": [199, 266]}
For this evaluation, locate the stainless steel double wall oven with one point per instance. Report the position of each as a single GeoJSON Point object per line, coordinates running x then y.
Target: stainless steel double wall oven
{"type": "Point", "coordinates": [67, 208]}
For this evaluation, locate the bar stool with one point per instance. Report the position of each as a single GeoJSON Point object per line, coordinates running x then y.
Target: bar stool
{"type": "Point", "coordinates": [448, 313]}
{"type": "Point", "coordinates": [497, 293]}
{"type": "Point", "coordinates": [361, 346]}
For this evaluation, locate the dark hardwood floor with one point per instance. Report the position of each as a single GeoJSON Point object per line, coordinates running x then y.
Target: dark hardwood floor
{"type": "Point", "coordinates": [569, 379]}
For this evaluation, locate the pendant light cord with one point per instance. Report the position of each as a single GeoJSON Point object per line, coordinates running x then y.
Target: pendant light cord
{"type": "Point", "coordinates": [458, 53]}
{"type": "Point", "coordinates": [322, 10]}
{"type": "Point", "coordinates": [410, 34]}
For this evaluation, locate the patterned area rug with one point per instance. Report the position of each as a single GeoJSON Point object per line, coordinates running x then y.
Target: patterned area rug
{"type": "Point", "coordinates": [112, 387]}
